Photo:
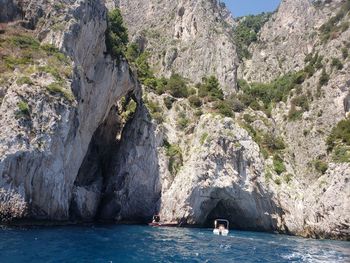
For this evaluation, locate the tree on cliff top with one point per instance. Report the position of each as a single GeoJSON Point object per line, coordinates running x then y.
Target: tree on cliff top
{"type": "Point", "coordinates": [116, 34]}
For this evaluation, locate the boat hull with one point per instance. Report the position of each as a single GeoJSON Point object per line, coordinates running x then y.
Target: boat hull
{"type": "Point", "coordinates": [163, 224]}
{"type": "Point", "coordinates": [221, 232]}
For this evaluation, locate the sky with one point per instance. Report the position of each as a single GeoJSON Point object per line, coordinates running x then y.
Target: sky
{"type": "Point", "coordinates": [249, 7]}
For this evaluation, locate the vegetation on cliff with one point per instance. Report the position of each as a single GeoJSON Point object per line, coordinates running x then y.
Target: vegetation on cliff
{"type": "Point", "coordinates": [116, 34]}
{"type": "Point", "coordinates": [336, 24]}
{"type": "Point", "coordinates": [23, 54]}
{"type": "Point", "coordinates": [338, 142]}
{"type": "Point", "coordinates": [247, 31]}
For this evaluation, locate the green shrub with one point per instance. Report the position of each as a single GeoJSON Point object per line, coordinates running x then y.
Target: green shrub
{"type": "Point", "coordinates": [204, 138]}
{"type": "Point", "coordinates": [336, 63]}
{"type": "Point", "coordinates": [341, 154]}
{"type": "Point", "coordinates": [168, 101]}
{"type": "Point", "coordinates": [224, 108]}
{"type": "Point", "coordinates": [314, 62]}
{"type": "Point", "coordinates": [177, 86]}
{"type": "Point", "coordinates": [320, 166]}
{"type": "Point", "coordinates": [116, 34]}
{"type": "Point", "coordinates": [345, 52]}
{"type": "Point", "coordinates": [183, 121]}
{"type": "Point", "coordinates": [278, 164]}
{"type": "Point", "coordinates": [23, 109]}
{"type": "Point", "coordinates": [59, 6]}
{"type": "Point", "coordinates": [51, 50]}
{"type": "Point", "coordinates": [288, 178]}
{"type": "Point", "coordinates": [237, 105]}
{"type": "Point", "coordinates": [175, 157]}
{"type": "Point", "coordinates": [143, 69]}
{"type": "Point", "coordinates": [210, 88]}
{"type": "Point", "coordinates": [309, 70]}
{"type": "Point", "coordinates": [158, 117]}
{"type": "Point", "coordinates": [192, 91]}
{"type": "Point", "coordinates": [24, 80]}
{"type": "Point", "coordinates": [278, 181]}
{"type": "Point", "coordinates": [270, 93]}
{"type": "Point", "coordinates": [50, 69]}
{"type": "Point", "coordinates": [344, 26]}
{"type": "Point", "coordinates": [155, 110]}
{"type": "Point", "coordinates": [248, 118]}
{"type": "Point", "coordinates": [198, 113]}
{"type": "Point", "coordinates": [129, 109]}
{"type": "Point", "coordinates": [242, 84]}
{"type": "Point", "coordinates": [324, 78]}
{"type": "Point", "coordinates": [12, 62]}
{"type": "Point", "coordinates": [153, 106]}
{"type": "Point", "coordinates": [27, 54]}
{"type": "Point", "coordinates": [269, 144]}
{"type": "Point", "coordinates": [294, 114]}
{"type": "Point", "coordinates": [57, 88]}
{"type": "Point", "coordinates": [195, 101]}
{"type": "Point", "coordinates": [272, 143]}
{"type": "Point", "coordinates": [25, 42]}
{"type": "Point", "coordinates": [339, 134]}
{"type": "Point", "coordinates": [132, 52]}
{"type": "Point", "coordinates": [301, 101]}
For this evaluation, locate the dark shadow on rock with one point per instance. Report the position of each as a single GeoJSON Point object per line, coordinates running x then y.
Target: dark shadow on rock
{"type": "Point", "coordinates": [27, 13]}
{"type": "Point", "coordinates": [89, 182]}
{"type": "Point", "coordinates": [254, 211]}
{"type": "Point", "coordinates": [132, 186]}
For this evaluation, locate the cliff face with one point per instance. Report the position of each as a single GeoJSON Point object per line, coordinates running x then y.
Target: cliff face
{"type": "Point", "coordinates": [290, 34]}
{"type": "Point", "coordinates": [298, 31]}
{"type": "Point", "coordinates": [192, 38]}
{"type": "Point", "coordinates": [80, 140]}
{"type": "Point", "coordinates": [44, 141]}
{"type": "Point", "coordinates": [221, 177]}
{"type": "Point", "coordinates": [224, 173]}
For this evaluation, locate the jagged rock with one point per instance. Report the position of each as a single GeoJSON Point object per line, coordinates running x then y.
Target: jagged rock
{"type": "Point", "coordinates": [291, 34]}
{"type": "Point", "coordinates": [133, 186]}
{"type": "Point", "coordinates": [285, 40]}
{"type": "Point", "coordinates": [73, 158]}
{"type": "Point", "coordinates": [192, 38]}
{"type": "Point", "coordinates": [327, 215]}
{"type": "Point", "coordinates": [41, 156]}
{"type": "Point", "coordinates": [9, 11]}
{"type": "Point", "coordinates": [221, 178]}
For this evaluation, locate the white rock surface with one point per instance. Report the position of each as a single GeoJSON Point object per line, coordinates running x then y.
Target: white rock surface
{"type": "Point", "coordinates": [40, 158]}
{"type": "Point", "coordinates": [192, 38]}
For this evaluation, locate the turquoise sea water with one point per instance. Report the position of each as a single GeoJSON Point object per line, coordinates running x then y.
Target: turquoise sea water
{"type": "Point", "coordinates": [151, 244]}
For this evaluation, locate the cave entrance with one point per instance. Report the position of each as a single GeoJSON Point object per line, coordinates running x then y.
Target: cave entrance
{"type": "Point", "coordinates": [230, 210]}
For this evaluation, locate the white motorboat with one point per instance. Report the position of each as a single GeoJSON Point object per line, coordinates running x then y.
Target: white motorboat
{"type": "Point", "coordinates": [221, 227]}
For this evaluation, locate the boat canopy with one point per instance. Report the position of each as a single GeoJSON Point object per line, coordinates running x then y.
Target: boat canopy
{"type": "Point", "coordinates": [219, 222]}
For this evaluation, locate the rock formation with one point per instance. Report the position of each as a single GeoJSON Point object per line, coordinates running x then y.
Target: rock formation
{"type": "Point", "coordinates": [192, 38]}
{"type": "Point", "coordinates": [42, 153]}
{"type": "Point", "coordinates": [81, 140]}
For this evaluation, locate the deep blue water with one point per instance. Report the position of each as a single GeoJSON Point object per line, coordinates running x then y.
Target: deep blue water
{"type": "Point", "coordinates": [148, 244]}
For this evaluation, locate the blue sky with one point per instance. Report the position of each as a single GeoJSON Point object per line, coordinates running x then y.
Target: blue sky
{"type": "Point", "coordinates": [248, 7]}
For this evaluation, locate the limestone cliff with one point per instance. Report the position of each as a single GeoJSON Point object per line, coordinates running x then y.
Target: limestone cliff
{"type": "Point", "coordinates": [285, 40]}
{"type": "Point", "coordinates": [192, 38]}
{"type": "Point", "coordinates": [48, 118]}
{"type": "Point", "coordinates": [298, 31]}
{"type": "Point", "coordinates": [284, 182]}
{"type": "Point", "coordinates": [80, 139]}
